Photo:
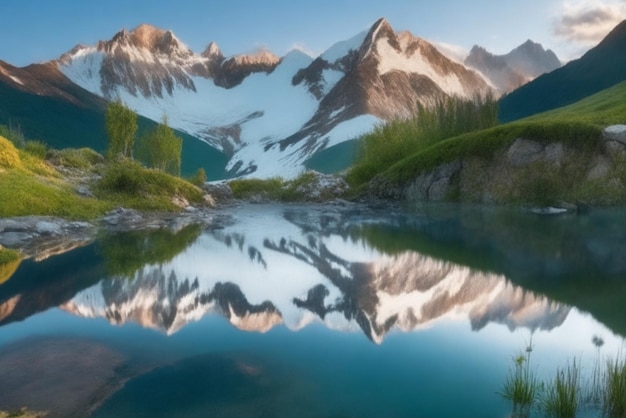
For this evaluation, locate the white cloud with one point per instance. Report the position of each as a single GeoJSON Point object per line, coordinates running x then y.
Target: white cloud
{"type": "Point", "coordinates": [587, 22]}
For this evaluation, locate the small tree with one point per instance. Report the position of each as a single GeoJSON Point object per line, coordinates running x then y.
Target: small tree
{"type": "Point", "coordinates": [162, 149]}
{"type": "Point", "coordinates": [121, 127]}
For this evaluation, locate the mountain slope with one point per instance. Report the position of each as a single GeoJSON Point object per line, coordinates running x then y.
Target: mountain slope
{"type": "Point", "coordinates": [510, 71]}
{"type": "Point", "coordinates": [48, 106]}
{"type": "Point", "coordinates": [601, 67]}
{"type": "Point", "coordinates": [269, 115]}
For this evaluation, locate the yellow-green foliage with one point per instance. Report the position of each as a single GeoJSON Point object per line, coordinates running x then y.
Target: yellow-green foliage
{"type": "Point", "coordinates": [36, 148]}
{"type": "Point", "coordinates": [162, 149]}
{"type": "Point", "coordinates": [274, 188]}
{"type": "Point", "coordinates": [9, 155]}
{"type": "Point", "coordinates": [22, 413]}
{"type": "Point", "coordinates": [29, 186]}
{"type": "Point", "coordinates": [9, 262]}
{"type": "Point", "coordinates": [23, 193]}
{"type": "Point", "coordinates": [129, 184]}
{"type": "Point", "coordinates": [80, 158]}
{"type": "Point", "coordinates": [121, 127]}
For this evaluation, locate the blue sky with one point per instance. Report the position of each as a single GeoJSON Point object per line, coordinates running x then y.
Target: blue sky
{"type": "Point", "coordinates": [39, 30]}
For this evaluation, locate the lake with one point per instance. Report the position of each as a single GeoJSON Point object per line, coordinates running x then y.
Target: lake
{"type": "Point", "coordinates": [334, 310]}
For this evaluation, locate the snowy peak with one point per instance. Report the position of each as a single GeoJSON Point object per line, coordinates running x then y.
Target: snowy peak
{"type": "Point", "coordinates": [213, 51]}
{"type": "Point", "coordinates": [509, 71]}
{"type": "Point", "coordinates": [146, 37]}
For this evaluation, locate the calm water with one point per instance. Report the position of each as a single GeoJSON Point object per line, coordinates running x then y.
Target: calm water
{"type": "Point", "coordinates": [323, 311]}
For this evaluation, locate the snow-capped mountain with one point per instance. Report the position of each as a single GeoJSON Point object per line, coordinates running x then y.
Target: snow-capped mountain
{"type": "Point", "coordinates": [307, 268]}
{"type": "Point", "coordinates": [270, 114]}
{"type": "Point", "coordinates": [509, 71]}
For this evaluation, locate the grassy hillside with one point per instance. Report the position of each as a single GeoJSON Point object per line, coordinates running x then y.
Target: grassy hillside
{"type": "Point", "coordinates": [29, 186]}
{"type": "Point", "coordinates": [32, 185]}
{"type": "Point", "coordinates": [577, 126]}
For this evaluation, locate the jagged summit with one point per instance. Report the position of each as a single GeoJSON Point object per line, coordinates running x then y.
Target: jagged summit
{"type": "Point", "coordinates": [146, 37]}
{"type": "Point", "coordinates": [509, 71]}
{"type": "Point", "coordinates": [269, 122]}
{"type": "Point", "coordinates": [212, 51]}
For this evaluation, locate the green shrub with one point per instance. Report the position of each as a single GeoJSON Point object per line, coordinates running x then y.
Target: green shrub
{"type": "Point", "coordinates": [36, 148]}
{"type": "Point", "coordinates": [79, 158]}
{"type": "Point", "coordinates": [9, 155]}
{"type": "Point", "coordinates": [128, 183]}
{"type": "Point", "coordinates": [198, 178]}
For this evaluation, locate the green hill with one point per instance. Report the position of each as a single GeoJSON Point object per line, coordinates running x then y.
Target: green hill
{"type": "Point", "coordinates": [600, 68]}
{"type": "Point", "coordinates": [477, 166]}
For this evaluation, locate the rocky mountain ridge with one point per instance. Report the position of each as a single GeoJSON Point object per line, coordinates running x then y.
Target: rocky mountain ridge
{"type": "Point", "coordinates": [268, 114]}
{"type": "Point", "coordinates": [509, 71]}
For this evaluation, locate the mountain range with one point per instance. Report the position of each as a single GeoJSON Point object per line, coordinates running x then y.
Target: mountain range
{"type": "Point", "coordinates": [264, 115]}
{"type": "Point", "coordinates": [600, 68]}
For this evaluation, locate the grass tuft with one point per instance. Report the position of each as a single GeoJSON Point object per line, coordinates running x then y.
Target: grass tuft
{"type": "Point", "coordinates": [521, 386]}
{"type": "Point", "coordinates": [614, 404]}
{"type": "Point", "coordinates": [560, 398]}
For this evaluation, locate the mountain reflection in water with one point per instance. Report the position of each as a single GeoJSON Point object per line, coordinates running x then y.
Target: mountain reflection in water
{"type": "Point", "coordinates": [298, 266]}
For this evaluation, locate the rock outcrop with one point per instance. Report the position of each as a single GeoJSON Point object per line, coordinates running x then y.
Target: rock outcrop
{"type": "Point", "coordinates": [524, 171]}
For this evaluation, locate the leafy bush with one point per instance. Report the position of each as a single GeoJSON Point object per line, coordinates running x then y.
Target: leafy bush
{"type": "Point", "coordinates": [198, 178]}
{"type": "Point", "coordinates": [79, 158]}
{"type": "Point", "coordinates": [9, 155]}
{"type": "Point", "coordinates": [162, 149]}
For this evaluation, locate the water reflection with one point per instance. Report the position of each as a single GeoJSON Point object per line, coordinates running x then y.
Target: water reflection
{"type": "Point", "coordinates": [297, 266]}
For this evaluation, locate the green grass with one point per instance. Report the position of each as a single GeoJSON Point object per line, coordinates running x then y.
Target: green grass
{"type": "Point", "coordinates": [561, 396]}
{"type": "Point", "coordinates": [578, 127]}
{"type": "Point", "coordinates": [605, 108]}
{"type": "Point", "coordinates": [276, 188]}
{"type": "Point", "coordinates": [29, 186]}
{"type": "Point", "coordinates": [614, 404]}
{"type": "Point", "coordinates": [521, 386]}
{"type": "Point", "coordinates": [129, 184]}
{"type": "Point", "coordinates": [393, 141]}
{"type": "Point", "coordinates": [78, 158]}
{"type": "Point", "coordinates": [8, 256]}
{"type": "Point", "coordinates": [22, 193]}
